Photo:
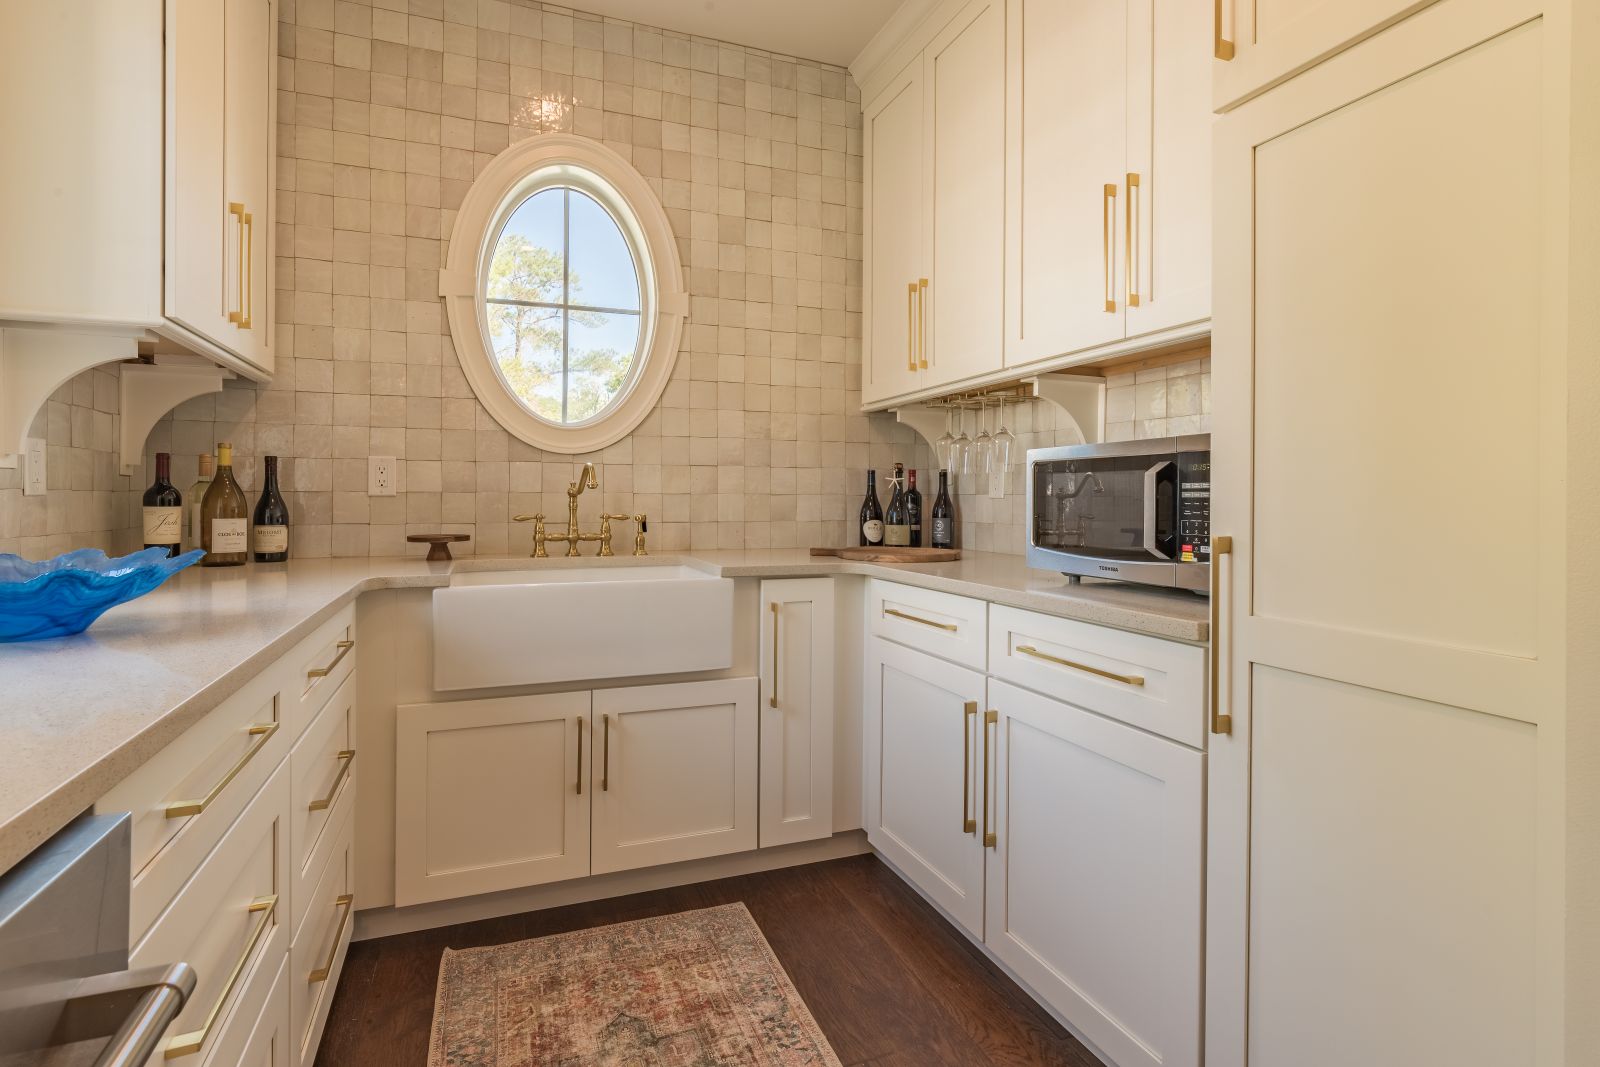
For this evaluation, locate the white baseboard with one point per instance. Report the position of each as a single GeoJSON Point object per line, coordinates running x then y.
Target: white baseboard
{"type": "Point", "coordinates": [382, 922]}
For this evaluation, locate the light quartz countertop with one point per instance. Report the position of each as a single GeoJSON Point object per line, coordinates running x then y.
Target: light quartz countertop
{"type": "Point", "coordinates": [79, 714]}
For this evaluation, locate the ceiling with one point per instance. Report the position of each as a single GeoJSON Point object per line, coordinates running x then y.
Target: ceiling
{"type": "Point", "coordinates": [832, 31]}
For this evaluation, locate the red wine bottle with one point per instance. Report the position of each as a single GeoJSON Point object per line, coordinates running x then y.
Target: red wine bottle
{"type": "Point", "coordinates": [914, 508]}
{"type": "Point", "coordinates": [944, 515]}
{"type": "Point", "coordinates": [271, 533]}
{"type": "Point", "coordinates": [871, 514]}
{"type": "Point", "coordinates": [163, 509]}
{"type": "Point", "coordinates": [897, 521]}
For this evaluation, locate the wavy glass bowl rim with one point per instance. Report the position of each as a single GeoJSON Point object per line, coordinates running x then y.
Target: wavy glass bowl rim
{"type": "Point", "coordinates": [63, 596]}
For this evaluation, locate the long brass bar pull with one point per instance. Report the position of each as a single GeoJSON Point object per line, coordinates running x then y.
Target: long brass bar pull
{"type": "Point", "coordinates": [247, 295]}
{"type": "Point", "coordinates": [1108, 220]}
{"type": "Point", "coordinates": [968, 713]}
{"type": "Point", "coordinates": [345, 902]}
{"type": "Point", "coordinates": [911, 326]}
{"type": "Point", "coordinates": [1221, 47]}
{"type": "Point", "coordinates": [578, 724]}
{"type": "Point", "coordinates": [192, 1042]}
{"type": "Point", "coordinates": [1221, 721]}
{"type": "Point", "coordinates": [922, 322]}
{"type": "Point", "coordinates": [237, 211]}
{"type": "Point", "coordinates": [772, 698]}
{"type": "Point", "coordinates": [1130, 238]}
{"type": "Point", "coordinates": [605, 754]}
{"type": "Point", "coordinates": [181, 809]}
{"type": "Point", "coordinates": [919, 619]}
{"type": "Point", "coordinates": [345, 758]}
{"type": "Point", "coordinates": [344, 648]}
{"type": "Point", "coordinates": [990, 838]}
{"type": "Point", "coordinates": [1125, 679]}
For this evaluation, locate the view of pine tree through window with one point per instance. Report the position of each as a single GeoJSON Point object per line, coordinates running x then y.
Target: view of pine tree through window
{"type": "Point", "coordinates": [562, 306]}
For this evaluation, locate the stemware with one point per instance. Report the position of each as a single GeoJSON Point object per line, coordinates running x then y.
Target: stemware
{"type": "Point", "coordinates": [941, 447]}
{"type": "Point", "coordinates": [1000, 457]}
{"type": "Point", "coordinates": [981, 455]}
{"type": "Point", "coordinates": [960, 446]}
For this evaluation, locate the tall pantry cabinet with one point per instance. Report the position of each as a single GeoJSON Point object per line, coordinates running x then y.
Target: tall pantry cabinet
{"type": "Point", "coordinates": [1392, 336]}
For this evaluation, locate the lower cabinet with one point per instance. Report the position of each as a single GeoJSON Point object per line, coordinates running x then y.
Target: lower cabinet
{"type": "Point", "coordinates": [316, 958]}
{"type": "Point", "coordinates": [1067, 842]}
{"type": "Point", "coordinates": [675, 772]}
{"type": "Point", "coordinates": [266, 1041]}
{"type": "Point", "coordinates": [797, 712]}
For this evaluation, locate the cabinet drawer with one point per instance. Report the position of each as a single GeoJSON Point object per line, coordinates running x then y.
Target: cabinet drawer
{"type": "Point", "coordinates": [229, 924]}
{"type": "Point", "coordinates": [1146, 682]}
{"type": "Point", "coordinates": [189, 793]}
{"type": "Point", "coordinates": [942, 624]}
{"type": "Point", "coordinates": [322, 770]}
{"type": "Point", "coordinates": [316, 668]}
{"type": "Point", "coordinates": [319, 949]}
{"type": "Point", "coordinates": [266, 1041]}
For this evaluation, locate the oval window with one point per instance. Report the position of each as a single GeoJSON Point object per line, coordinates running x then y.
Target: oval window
{"type": "Point", "coordinates": [562, 306]}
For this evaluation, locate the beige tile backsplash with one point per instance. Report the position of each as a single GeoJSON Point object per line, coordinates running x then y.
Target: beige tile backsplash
{"type": "Point", "coordinates": [386, 111]}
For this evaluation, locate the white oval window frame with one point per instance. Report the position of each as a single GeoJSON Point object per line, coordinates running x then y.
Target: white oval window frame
{"type": "Point", "coordinates": [509, 179]}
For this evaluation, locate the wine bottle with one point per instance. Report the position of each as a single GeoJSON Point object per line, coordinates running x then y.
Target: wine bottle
{"type": "Point", "coordinates": [914, 508]}
{"type": "Point", "coordinates": [871, 513]}
{"type": "Point", "coordinates": [224, 516]}
{"type": "Point", "coordinates": [271, 533]}
{"type": "Point", "coordinates": [944, 515]}
{"type": "Point", "coordinates": [195, 496]}
{"type": "Point", "coordinates": [896, 522]}
{"type": "Point", "coordinates": [163, 509]}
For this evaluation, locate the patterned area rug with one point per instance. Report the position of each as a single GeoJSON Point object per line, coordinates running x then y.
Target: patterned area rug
{"type": "Point", "coordinates": [695, 989]}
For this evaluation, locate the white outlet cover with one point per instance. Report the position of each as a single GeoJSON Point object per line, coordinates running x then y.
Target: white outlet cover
{"type": "Point", "coordinates": [382, 471]}
{"type": "Point", "coordinates": [33, 479]}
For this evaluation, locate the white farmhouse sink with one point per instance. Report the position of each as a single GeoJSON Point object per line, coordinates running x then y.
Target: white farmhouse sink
{"type": "Point", "coordinates": [566, 624]}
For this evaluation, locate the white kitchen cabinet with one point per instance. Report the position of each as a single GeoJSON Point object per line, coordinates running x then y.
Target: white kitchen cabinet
{"type": "Point", "coordinates": [1258, 43]}
{"type": "Point", "coordinates": [674, 770]}
{"type": "Point", "coordinates": [1385, 793]}
{"type": "Point", "coordinates": [249, 164]}
{"type": "Point", "coordinates": [1108, 159]}
{"type": "Point", "coordinates": [895, 297]}
{"type": "Point", "coordinates": [1094, 874]}
{"type": "Point", "coordinates": [492, 794]}
{"type": "Point", "coordinates": [797, 710]}
{"type": "Point", "coordinates": [922, 718]}
{"type": "Point", "coordinates": [266, 1041]}
{"type": "Point", "coordinates": [316, 959]}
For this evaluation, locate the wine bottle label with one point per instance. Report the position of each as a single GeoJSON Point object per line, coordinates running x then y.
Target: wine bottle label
{"type": "Point", "coordinates": [899, 536]}
{"type": "Point", "coordinates": [229, 535]}
{"type": "Point", "coordinates": [942, 531]}
{"type": "Point", "coordinates": [272, 538]}
{"type": "Point", "coordinates": [873, 529]}
{"type": "Point", "coordinates": [163, 526]}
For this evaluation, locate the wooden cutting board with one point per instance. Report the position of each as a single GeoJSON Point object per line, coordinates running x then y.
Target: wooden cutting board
{"type": "Point", "coordinates": [881, 554]}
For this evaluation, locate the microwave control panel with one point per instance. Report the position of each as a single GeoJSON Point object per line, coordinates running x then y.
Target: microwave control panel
{"type": "Point", "coordinates": [1194, 507]}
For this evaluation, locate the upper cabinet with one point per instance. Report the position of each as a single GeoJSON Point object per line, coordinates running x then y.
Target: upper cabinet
{"type": "Point", "coordinates": [1259, 43]}
{"type": "Point", "coordinates": [144, 202]}
{"type": "Point", "coordinates": [1038, 189]}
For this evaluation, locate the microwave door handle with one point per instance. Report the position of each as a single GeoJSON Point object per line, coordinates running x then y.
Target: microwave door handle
{"type": "Point", "coordinates": [1151, 477]}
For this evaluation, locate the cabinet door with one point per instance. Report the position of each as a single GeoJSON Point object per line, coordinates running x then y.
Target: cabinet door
{"type": "Point", "coordinates": [1258, 43]}
{"type": "Point", "coordinates": [1066, 74]}
{"type": "Point", "coordinates": [922, 770]}
{"type": "Point", "coordinates": [202, 277]}
{"type": "Point", "coordinates": [675, 767]}
{"type": "Point", "coordinates": [965, 190]}
{"type": "Point", "coordinates": [1166, 212]}
{"type": "Point", "coordinates": [1390, 217]}
{"type": "Point", "coordinates": [796, 710]}
{"type": "Point", "coordinates": [263, 1041]}
{"type": "Point", "coordinates": [1094, 881]}
{"type": "Point", "coordinates": [248, 170]}
{"type": "Point", "coordinates": [895, 221]}
{"type": "Point", "coordinates": [490, 794]}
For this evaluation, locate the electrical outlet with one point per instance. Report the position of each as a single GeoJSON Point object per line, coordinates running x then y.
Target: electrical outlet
{"type": "Point", "coordinates": [381, 473]}
{"type": "Point", "coordinates": [33, 483]}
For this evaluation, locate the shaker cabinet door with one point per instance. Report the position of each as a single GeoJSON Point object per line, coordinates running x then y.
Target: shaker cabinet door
{"type": "Point", "coordinates": [797, 710]}
{"type": "Point", "coordinates": [896, 302]}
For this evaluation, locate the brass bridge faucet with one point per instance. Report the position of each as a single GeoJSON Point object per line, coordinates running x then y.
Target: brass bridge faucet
{"type": "Point", "coordinates": [586, 480]}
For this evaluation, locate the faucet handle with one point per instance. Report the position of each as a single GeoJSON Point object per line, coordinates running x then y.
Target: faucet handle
{"type": "Point", "coordinates": [528, 518]}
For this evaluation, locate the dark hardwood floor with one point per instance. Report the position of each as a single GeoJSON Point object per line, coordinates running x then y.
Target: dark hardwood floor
{"type": "Point", "coordinates": [891, 983]}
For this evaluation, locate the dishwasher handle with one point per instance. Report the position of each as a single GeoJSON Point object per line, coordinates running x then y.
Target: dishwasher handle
{"type": "Point", "coordinates": [137, 1039]}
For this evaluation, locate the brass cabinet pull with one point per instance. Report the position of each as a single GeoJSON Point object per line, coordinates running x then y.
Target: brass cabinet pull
{"type": "Point", "coordinates": [346, 758]}
{"type": "Point", "coordinates": [911, 326]}
{"type": "Point", "coordinates": [922, 322]}
{"type": "Point", "coordinates": [990, 838]}
{"type": "Point", "coordinates": [1125, 679]}
{"type": "Point", "coordinates": [237, 211]}
{"type": "Point", "coordinates": [322, 672]}
{"type": "Point", "coordinates": [605, 755]}
{"type": "Point", "coordinates": [1130, 240]}
{"type": "Point", "coordinates": [321, 973]}
{"type": "Point", "coordinates": [1108, 219]}
{"type": "Point", "coordinates": [969, 711]}
{"type": "Point", "coordinates": [1221, 721]}
{"type": "Point", "coordinates": [916, 618]}
{"type": "Point", "coordinates": [772, 699]}
{"type": "Point", "coordinates": [1221, 47]}
{"type": "Point", "coordinates": [247, 296]}
{"type": "Point", "coordinates": [578, 722]}
{"type": "Point", "coordinates": [194, 1040]}
{"type": "Point", "coordinates": [181, 809]}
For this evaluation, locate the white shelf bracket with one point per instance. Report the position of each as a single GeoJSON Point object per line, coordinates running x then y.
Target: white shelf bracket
{"type": "Point", "coordinates": [1081, 396]}
{"type": "Point", "coordinates": [927, 422]}
{"type": "Point", "coordinates": [150, 390]}
{"type": "Point", "coordinates": [35, 362]}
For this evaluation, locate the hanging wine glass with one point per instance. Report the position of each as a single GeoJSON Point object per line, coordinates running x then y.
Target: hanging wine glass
{"type": "Point", "coordinates": [981, 454]}
{"type": "Point", "coordinates": [1000, 461]}
{"type": "Point", "coordinates": [959, 447]}
{"type": "Point", "coordinates": [942, 446]}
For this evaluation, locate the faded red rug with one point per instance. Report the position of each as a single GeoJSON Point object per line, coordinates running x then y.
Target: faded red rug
{"type": "Point", "coordinates": [695, 989]}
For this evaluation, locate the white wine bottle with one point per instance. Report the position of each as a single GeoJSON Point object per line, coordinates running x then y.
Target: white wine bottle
{"type": "Point", "coordinates": [192, 502]}
{"type": "Point", "coordinates": [224, 516]}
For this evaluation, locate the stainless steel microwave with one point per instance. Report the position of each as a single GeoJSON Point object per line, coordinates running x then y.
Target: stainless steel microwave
{"type": "Point", "coordinates": [1136, 511]}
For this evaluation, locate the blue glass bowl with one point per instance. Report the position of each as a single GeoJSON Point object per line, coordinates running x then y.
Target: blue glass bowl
{"type": "Point", "coordinates": [61, 596]}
